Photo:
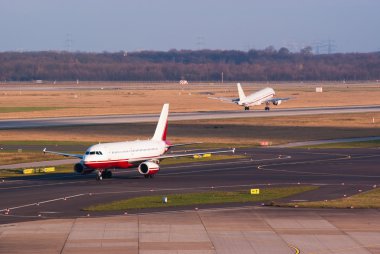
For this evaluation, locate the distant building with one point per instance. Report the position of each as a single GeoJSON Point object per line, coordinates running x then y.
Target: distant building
{"type": "Point", "coordinates": [183, 82]}
{"type": "Point", "coordinates": [319, 89]}
{"type": "Point", "coordinates": [39, 81]}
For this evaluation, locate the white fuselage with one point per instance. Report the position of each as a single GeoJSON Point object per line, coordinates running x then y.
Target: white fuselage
{"type": "Point", "coordinates": [122, 154]}
{"type": "Point", "coordinates": [257, 98]}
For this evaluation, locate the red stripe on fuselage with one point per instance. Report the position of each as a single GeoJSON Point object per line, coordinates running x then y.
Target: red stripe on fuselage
{"type": "Point", "coordinates": [108, 164]}
{"type": "Point", "coordinates": [123, 163]}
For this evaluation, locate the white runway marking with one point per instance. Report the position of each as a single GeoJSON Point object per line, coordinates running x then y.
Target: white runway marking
{"type": "Point", "coordinates": [347, 157]}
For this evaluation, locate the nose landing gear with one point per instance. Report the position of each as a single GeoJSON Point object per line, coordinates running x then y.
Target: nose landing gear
{"type": "Point", "coordinates": [100, 174]}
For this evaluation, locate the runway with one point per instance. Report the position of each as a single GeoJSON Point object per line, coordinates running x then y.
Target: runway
{"type": "Point", "coordinates": [337, 172]}
{"type": "Point", "coordinates": [117, 119]}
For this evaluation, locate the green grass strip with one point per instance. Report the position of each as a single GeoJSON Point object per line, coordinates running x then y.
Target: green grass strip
{"type": "Point", "coordinates": [4, 173]}
{"type": "Point", "coordinates": [359, 144]}
{"type": "Point", "coordinates": [46, 142]}
{"type": "Point", "coordinates": [27, 109]}
{"type": "Point", "coordinates": [369, 199]}
{"type": "Point", "coordinates": [214, 197]}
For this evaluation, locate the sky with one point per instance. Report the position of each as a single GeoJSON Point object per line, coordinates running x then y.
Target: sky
{"type": "Point", "coordinates": [133, 25]}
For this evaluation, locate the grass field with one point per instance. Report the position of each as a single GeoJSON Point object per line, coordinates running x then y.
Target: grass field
{"type": "Point", "coordinates": [26, 109]}
{"type": "Point", "coordinates": [362, 144]}
{"type": "Point", "coordinates": [21, 157]}
{"type": "Point", "coordinates": [215, 197]}
{"type": "Point", "coordinates": [100, 98]}
{"type": "Point", "coordinates": [4, 173]}
{"type": "Point", "coordinates": [44, 142]}
{"type": "Point", "coordinates": [369, 199]}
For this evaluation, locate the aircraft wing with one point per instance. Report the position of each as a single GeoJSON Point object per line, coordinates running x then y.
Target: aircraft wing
{"type": "Point", "coordinates": [184, 144]}
{"type": "Point", "coordinates": [277, 99]}
{"type": "Point", "coordinates": [184, 155]}
{"type": "Point", "coordinates": [224, 99]}
{"type": "Point", "coordinates": [79, 156]}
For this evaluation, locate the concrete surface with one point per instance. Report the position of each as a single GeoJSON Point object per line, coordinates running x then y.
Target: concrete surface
{"type": "Point", "coordinates": [235, 230]}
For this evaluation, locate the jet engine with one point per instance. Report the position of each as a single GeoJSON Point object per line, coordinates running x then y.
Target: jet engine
{"type": "Point", "coordinates": [148, 168]}
{"type": "Point", "coordinates": [277, 102]}
{"type": "Point", "coordinates": [81, 169]}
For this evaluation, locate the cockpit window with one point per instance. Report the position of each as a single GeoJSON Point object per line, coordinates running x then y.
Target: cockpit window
{"type": "Point", "coordinates": [94, 152]}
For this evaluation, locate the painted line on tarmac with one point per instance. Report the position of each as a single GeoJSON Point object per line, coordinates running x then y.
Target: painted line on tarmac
{"type": "Point", "coordinates": [131, 191]}
{"type": "Point", "coordinates": [223, 169]}
{"type": "Point", "coordinates": [42, 177]}
{"type": "Point", "coordinates": [296, 250]}
{"type": "Point", "coordinates": [348, 157]}
{"type": "Point", "coordinates": [6, 211]}
{"type": "Point", "coordinates": [41, 202]}
{"type": "Point", "coordinates": [42, 185]}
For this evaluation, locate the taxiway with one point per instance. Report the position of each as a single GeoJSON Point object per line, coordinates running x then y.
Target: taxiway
{"type": "Point", "coordinates": [337, 172]}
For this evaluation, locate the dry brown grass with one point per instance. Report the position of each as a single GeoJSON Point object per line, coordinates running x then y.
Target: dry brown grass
{"type": "Point", "coordinates": [15, 157]}
{"type": "Point", "coordinates": [233, 131]}
{"type": "Point", "coordinates": [131, 98]}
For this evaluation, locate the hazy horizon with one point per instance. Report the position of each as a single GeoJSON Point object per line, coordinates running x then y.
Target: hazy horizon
{"type": "Point", "coordinates": [116, 25]}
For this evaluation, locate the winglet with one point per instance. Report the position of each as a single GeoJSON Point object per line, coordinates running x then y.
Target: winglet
{"type": "Point", "coordinates": [44, 150]}
{"type": "Point", "coordinates": [233, 150]}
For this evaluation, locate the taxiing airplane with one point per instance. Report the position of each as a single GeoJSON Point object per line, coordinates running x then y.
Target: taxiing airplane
{"type": "Point", "coordinates": [260, 97]}
{"type": "Point", "coordinates": [145, 155]}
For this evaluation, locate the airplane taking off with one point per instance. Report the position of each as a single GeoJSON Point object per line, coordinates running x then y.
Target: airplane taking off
{"type": "Point", "coordinates": [145, 155]}
{"type": "Point", "coordinates": [262, 96]}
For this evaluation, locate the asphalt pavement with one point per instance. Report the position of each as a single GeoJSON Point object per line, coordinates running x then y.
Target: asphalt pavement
{"type": "Point", "coordinates": [337, 173]}
{"type": "Point", "coordinates": [117, 119]}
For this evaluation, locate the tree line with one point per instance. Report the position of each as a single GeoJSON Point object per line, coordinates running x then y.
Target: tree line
{"type": "Point", "coordinates": [199, 65]}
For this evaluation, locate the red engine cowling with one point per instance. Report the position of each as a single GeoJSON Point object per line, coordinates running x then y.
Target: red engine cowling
{"type": "Point", "coordinates": [148, 168]}
{"type": "Point", "coordinates": [81, 169]}
{"type": "Point", "coordinates": [277, 102]}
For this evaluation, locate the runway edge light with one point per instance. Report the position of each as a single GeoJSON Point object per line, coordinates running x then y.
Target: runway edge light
{"type": "Point", "coordinates": [255, 191]}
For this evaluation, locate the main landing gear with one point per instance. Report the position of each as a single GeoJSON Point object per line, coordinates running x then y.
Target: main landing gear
{"type": "Point", "coordinates": [148, 176]}
{"type": "Point", "coordinates": [246, 108]}
{"type": "Point", "coordinates": [267, 108]}
{"type": "Point", "coordinates": [100, 174]}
